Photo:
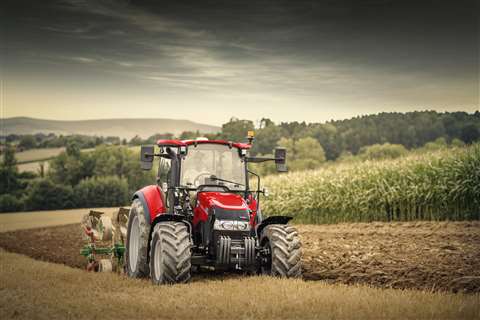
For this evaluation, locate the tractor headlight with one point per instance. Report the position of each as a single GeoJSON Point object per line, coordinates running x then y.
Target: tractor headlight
{"type": "Point", "coordinates": [243, 226]}
{"type": "Point", "coordinates": [224, 225]}
{"type": "Point", "coordinates": [231, 225]}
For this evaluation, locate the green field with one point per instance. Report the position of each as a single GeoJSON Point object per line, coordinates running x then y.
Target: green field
{"type": "Point", "coordinates": [438, 185]}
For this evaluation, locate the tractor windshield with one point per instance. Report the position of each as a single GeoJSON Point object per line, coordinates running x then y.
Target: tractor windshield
{"type": "Point", "coordinates": [207, 160]}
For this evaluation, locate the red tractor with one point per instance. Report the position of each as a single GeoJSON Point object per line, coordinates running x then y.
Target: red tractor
{"type": "Point", "coordinates": [202, 212]}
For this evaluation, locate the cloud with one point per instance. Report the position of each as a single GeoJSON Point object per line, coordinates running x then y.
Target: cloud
{"type": "Point", "coordinates": [272, 51]}
{"type": "Point", "coordinates": [83, 60]}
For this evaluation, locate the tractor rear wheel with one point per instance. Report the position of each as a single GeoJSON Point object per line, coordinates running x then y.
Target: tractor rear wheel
{"type": "Point", "coordinates": [170, 255]}
{"type": "Point", "coordinates": [281, 251]}
{"type": "Point", "coordinates": [136, 248]}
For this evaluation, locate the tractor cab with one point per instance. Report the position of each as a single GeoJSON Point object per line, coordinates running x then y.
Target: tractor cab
{"type": "Point", "coordinates": [212, 164]}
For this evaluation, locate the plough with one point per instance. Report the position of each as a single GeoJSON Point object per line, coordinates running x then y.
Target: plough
{"type": "Point", "coordinates": [106, 240]}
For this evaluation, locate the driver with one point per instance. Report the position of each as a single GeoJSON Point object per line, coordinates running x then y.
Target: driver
{"type": "Point", "coordinates": [197, 166]}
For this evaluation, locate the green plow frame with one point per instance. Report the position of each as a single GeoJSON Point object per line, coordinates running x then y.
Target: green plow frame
{"type": "Point", "coordinates": [105, 250]}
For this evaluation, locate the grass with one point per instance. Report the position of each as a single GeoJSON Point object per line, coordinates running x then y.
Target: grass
{"type": "Point", "coordinates": [37, 155]}
{"type": "Point", "coordinates": [33, 166]}
{"type": "Point", "coordinates": [34, 289]}
{"type": "Point", "coordinates": [439, 185]}
{"type": "Point", "coordinates": [30, 160]}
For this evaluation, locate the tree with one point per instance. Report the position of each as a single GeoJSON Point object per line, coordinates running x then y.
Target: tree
{"type": "Point", "coordinates": [309, 148]}
{"type": "Point", "coordinates": [266, 137]}
{"type": "Point", "coordinates": [9, 182]}
{"type": "Point", "coordinates": [27, 142]}
{"type": "Point", "coordinates": [136, 141]}
{"type": "Point", "coordinates": [309, 154]}
{"type": "Point", "coordinates": [10, 203]}
{"type": "Point", "coordinates": [236, 130]}
{"type": "Point", "coordinates": [326, 135]}
{"type": "Point", "coordinates": [73, 150]}
{"type": "Point", "coordinates": [288, 144]}
{"type": "Point", "coordinates": [44, 194]}
{"type": "Point", "coordinates": [470, 133]}
{"type": "Point", "coordinates": [305, 153]}
{"type": "Point", "coordinates": [102, 192]}
{"type": "Point", "coordinates": [9, 159]}
{"type": "Point", "coordinates": [71, 166]}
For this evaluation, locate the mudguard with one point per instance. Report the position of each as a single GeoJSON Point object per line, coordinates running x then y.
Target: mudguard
{"type": "Point", "coordinates": [272, 220]}
{"type": "Point", "coordinates": [172, 217]}
{"type": "Point", "coordinates": [153, 201]}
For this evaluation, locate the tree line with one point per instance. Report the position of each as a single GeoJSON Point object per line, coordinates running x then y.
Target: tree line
{"type": "Point", "coordinates": [108, 175]}
{"type": "Point", "coordinates": [105, 177]}
{"type": "Point", "coordinates": [411, 129]}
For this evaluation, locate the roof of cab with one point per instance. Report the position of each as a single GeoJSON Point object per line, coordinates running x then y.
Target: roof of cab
{"type": "Point", "coordinates": [179, 143]}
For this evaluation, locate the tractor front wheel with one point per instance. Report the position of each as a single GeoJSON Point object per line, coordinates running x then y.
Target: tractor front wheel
{"type": "Point", "coordinates": [281, 251]}
{"type": "Point", "coordinates": [136, 248]}
{"type": "Point", "coordinates": [170, 254]}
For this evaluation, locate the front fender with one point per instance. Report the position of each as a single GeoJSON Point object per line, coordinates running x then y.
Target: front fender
{"type": "Point", "coordinates": [172, 217]}
{"type": "Point", "coordinates": [272, 220]}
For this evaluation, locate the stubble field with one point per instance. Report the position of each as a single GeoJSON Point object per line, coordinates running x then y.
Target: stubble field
{"type": "Point", "coordinates": [350, 271]}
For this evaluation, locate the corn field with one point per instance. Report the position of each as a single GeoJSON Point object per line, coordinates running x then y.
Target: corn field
{"type": "Point", "coordinates": [440, 185]}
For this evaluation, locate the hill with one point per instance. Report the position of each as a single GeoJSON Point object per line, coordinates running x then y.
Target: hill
{"type": "Point", "coordinates": [124, 128]}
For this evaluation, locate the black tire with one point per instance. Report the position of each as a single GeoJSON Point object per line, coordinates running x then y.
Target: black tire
{"type": "Point", "coordinates": [136, 250]}
{"type": "Point", "coordinates": [170, 253]}
{"type": "Point", "coordinates": [283, 251]}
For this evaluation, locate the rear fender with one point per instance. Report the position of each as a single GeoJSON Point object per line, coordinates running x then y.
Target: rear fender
{"type": "Point", "coordinates": [153, 202]}
{"type": "Point", "coordinates": [271, 220]}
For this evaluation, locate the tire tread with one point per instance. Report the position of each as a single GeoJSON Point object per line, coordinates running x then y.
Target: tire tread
{"type": "Point", "coordinates": [285, 249]}
{"type": "Point", "coordinates": [175, 248]}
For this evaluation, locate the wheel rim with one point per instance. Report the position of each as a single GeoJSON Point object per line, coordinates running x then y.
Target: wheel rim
{"type": "Point", "coordinates": [133, 244]}
{"type": "Point", "coordinates": [157, 260]}
{"type": "Point", "coordinates": [267, 266]}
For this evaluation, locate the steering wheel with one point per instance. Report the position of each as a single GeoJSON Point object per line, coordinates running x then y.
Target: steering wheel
{"type": "Point", "coordinates": [196, 181]}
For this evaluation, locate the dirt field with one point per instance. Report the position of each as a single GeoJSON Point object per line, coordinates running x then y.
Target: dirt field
{"type": "Point", "coordinates": [33, 289]}
{"type": "Point", "coordinates": [434, 256]}
{"type": "Point", "coordinates": [421, 255]}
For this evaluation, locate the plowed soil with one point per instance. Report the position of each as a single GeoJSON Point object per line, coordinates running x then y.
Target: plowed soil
{"type": "Point", "coordinates": [442, 256]}
{"type": "Point", "coordinates": [418, 255]}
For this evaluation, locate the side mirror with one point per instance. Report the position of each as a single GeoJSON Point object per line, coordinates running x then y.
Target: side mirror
{"type": "Point", "coordinates": [281, 159]}
{"type": "Point", "coordinates": [146, 157]}
{"type": "Point", "coordinates": [266, 193]}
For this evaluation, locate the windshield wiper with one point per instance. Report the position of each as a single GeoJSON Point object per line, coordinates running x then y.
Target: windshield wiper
{"type": "Point", "coordinates": [228, 181]}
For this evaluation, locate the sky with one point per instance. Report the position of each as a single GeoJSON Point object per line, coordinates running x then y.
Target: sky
{"type": "Point", "coordinates": [208, 61]}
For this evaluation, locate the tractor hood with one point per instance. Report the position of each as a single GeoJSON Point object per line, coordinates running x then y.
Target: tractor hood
{"type": "Point", "coordinates": [228, 201]}
{"type": "Point", "coordinates": [229, 206]}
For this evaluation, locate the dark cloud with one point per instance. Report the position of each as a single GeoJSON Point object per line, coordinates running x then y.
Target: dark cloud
{"type": "Point", "coordinates": [306, 48]}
